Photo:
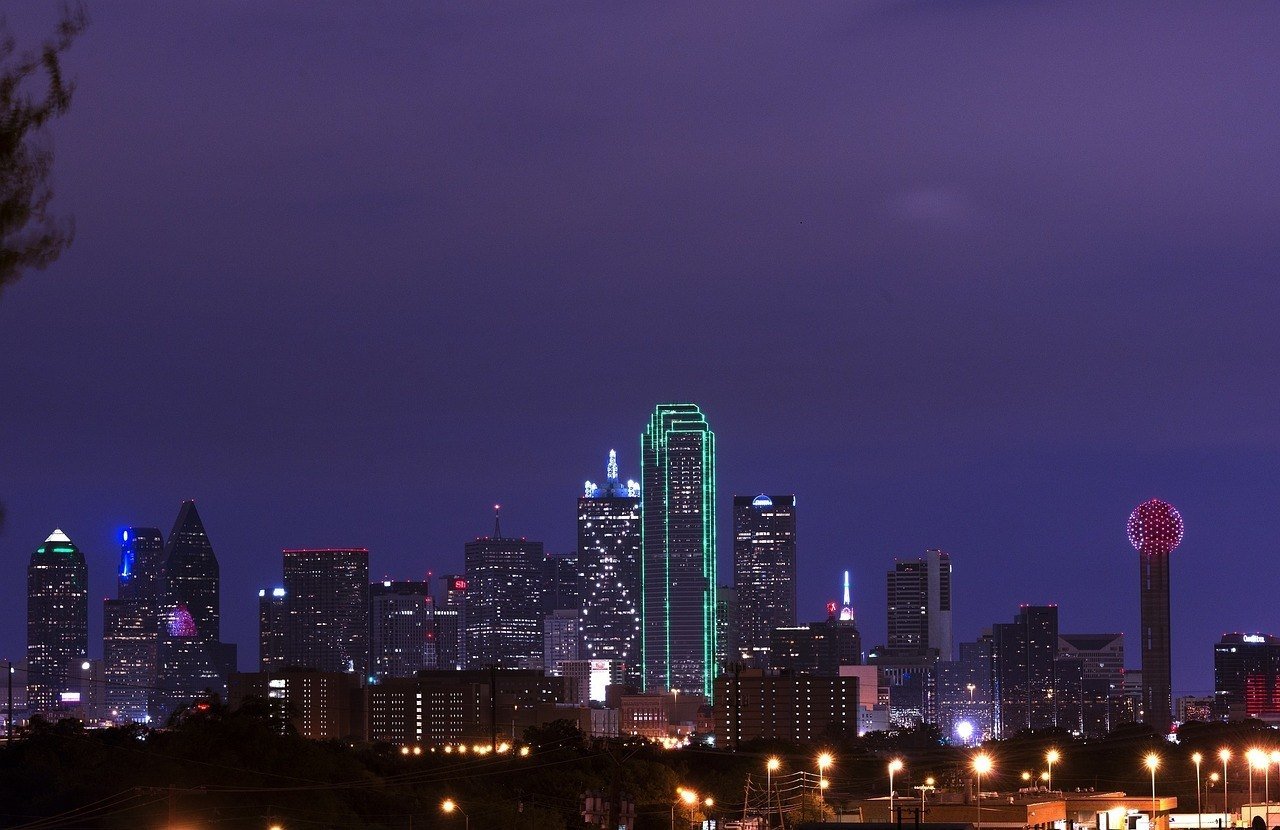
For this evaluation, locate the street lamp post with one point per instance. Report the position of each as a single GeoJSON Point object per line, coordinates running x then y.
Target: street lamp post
{"type": "Point", "coordinates": [924, 789]}
{"type": "Point", "coordinates": [1225, 755]}
{"type": "Point", "coordinates": [770, 767]}
{"type": "Point", "coordinates": [1051, 757]}
{"type": "Point", "coordinates": [824, 761]}
{"type": "Point", "coordinates": [1196, 758]}
{"type": "Point", "coordinates": [1250, 762]}
{"type": "Point", "coordinates": [689, 797]}
{"type": "Point", "coordinates": [981, 766]}
{"type": "Point", "coordinates": [894, 766]}
{"type": "Point", "coordinates": [1153, 761]}
{"type": "Point", "coordinates": [449, 805]}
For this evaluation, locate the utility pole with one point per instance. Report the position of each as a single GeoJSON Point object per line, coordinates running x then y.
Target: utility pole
{"type": "Point", "coordinates": [8, 734]}
{"type": "Point", "coordinates": [493, 699]}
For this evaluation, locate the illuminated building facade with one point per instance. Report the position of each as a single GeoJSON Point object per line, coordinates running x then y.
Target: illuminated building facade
{"type": "Point", "coordinates": [964, 694]}
{"type": "Point", "coordinates": [1103, 704]}
{"type": "Point", "coordinates": [560, 583]}
{"type": "Point", "coordinates": [131, 625]}
{"type": "Point", "coordinates": [322, 706]}
{"type": "Point", "coordinates": [273, 635]}
{"type": "Point", "coordinates": [764, 572]}
{"type": "Point", "coordinates": [1033, 686]}
{"type": "Point", "coordinates": [919, 606]}
{"type": "Point", "coordinates": [504, 621]}
{"type": "Point", "coordinates": [609, 556]}
{"type": "Point", "coordinates": [57, 620]}
{"type": "Point", "coordinates": [678, 544]}
{"type": "Point", "coordinates": [1155, 529]}
{"type": "Point", "coordinates": [561, 639]}
{"type": "Point", "coordinates": [327, 600]}
{"type": "Point", "coordinates": [1246, 677]}
{"type": "Point", "coordinates": [401, 629]}
{"type": "Point", "coordinates": [755, 704]}
{"type": "Point", "coordinates": [450, 619]}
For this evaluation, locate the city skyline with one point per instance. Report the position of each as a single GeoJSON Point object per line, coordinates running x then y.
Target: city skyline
{"type": "Point", "coordinates": [945, 302]}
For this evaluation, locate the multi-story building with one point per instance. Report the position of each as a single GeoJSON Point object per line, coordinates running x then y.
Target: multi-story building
{"type": "Point", "coordinates": [450, 623]}
{"type": "Point", "coordinates": [1195, 708]}
{"type": "Point", "coordinates": [57, 620]}
{"type": "Point", "coordinates": [609, 556]}
{"type": "Point", "coordinates": [1033, 686]}
{"type": "Point", "coordinates": [327, 600]}
{"type": "Point", "coordinates": [131, 625]}
{"type": "Point", "coordinates": [819, 648]}
{"type": "Point", "coordinates": [964, 694]}
{"type": "Point", "coordinates": [273, 629]}
{"type": "Point", "coordinates": [192, 658]}
{"type": "Point", "coordinates": [87, 694]}
{"type": "Point", "coordinates": [1102, 685]}
{"type": "Point", "coordinates": [1246, 676]}
{"type": "Point", "coordinates": [401, 629]}
{"type": "Point", "coordinates": [678, 541]}
{"type": "Point", "coordinates": [442, 706]}
{"type": "Point", "coordinates": [755, 704]}
{"type": "Point", "coordinates": [560, 583]}
{"type": "Point", "coordinates": [919, 606]}
{"type": "Point", "coordinates": [764, 572]}
{"type": "Point", "coordinates": [322, 706]}
{"type": "Point", "coordinates": [726, 626]}
{"type": "Point", "coordinates": [562, 639]}
{"type": "Point", "coordinates": [504, 620]}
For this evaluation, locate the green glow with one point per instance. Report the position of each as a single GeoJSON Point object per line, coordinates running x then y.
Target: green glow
{"type": "Point", "coordinates": [668, 420]}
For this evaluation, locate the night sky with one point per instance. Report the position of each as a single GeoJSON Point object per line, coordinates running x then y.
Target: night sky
{"type": "Point", "coordinates": [979, 276]}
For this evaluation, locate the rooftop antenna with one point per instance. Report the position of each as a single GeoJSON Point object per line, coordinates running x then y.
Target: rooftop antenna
{"type": "Point", "coordinates": [497, 521]}
{"type": "Point", "coordinates": [846, 610]}
{"type": "Point", "coordinates": [612, 472]}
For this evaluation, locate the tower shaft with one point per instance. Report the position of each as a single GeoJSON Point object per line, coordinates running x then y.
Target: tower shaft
{"type": "Point", "coordinates": [1157, 677]}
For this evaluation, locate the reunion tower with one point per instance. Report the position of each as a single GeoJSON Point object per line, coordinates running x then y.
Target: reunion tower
{"type": "Point", "coordinates": [1155, 529]}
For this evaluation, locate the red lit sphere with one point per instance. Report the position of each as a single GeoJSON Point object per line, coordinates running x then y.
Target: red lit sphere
{"type": "Point", "coordinates": [1155, 527]}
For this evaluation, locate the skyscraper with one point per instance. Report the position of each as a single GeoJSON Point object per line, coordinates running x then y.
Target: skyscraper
{"type": "Point", "coordinates": [504, 623]}
{"type": "Point", "coordinates": [764, 571]}
{"type": "Point", "coordinates": [273, 629]}
{"type": "Point", "coordinates": [327, 597]}
{"type": "Point", "coordinates": [401, 629]}
{"type": "Point", "coordinates": [1246, 676]}
{"type": "Point", "coordinates": [1033, 686]}
{"type": "Point", "coordinates": [1155, 529]}
{"type": "Point", "coordinates": [131, 625]}
{"type": "Point", "coordinates": [609, 556]}
{"type": "Point", "coordinates": [678, 571]}
{"type": "Point", "coordinates": [919, 606]}
{"type": "Point", "coordinates": [561, 639]}
{"type": "Point", "coordinates": [57, 620]}
{"type": "Point", "coordinates": [450, 623]}
{"type": "Point", "coordinates": [191, 655]}
{"type": "Point", "coordinates": [560, 583]}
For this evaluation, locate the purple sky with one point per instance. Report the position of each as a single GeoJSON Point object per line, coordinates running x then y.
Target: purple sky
{"type": "Point", "coordinates": [979, 276]}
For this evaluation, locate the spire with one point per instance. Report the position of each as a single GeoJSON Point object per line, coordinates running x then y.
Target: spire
{"type": "Point", "coordinates": [188, 520]}
{"type": "Point", "coordinates": [612, 471]}
{"type": "Point", "coordinates": [846, 610]}
{"type": "Point", "coordinates": [57, 536]}
{"type": "Point", "coordinates": [846, 588]}
{"type": "Point", "coordinates": [497, 521]}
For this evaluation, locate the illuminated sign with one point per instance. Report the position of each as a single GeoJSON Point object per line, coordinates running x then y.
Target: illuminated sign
{"type": "Point", "coordinates": [69, 697]}
{"type": "Point", "coordinates": [459, 585]}
{"type": "Point", "coordinates": [1254, 638]}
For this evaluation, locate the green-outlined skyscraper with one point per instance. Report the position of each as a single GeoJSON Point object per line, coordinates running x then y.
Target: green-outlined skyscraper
{"type": "Point", "coordinates": [678, 544]}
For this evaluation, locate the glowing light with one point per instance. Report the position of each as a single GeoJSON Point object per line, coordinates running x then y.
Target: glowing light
{"type": "Point", "coordinates": [1052, 756]}
{"type": "Point", "coordinates": [1257, 758]}
{"type": "Point", "coordinates": [964, 730]}
{"type": "Point", "coordinates": [1196, 758]}
{"type": "Point", "coordinates": [633, 489]}
{"type": "Point", "coordinates": [762, 501]}
{"type": "Point", "coordinates": [1152, 761]}
{"type": "Point", "coordinates": [773, 764]}
{"type": "Point", "coordinates": [688, 796]}
{"type": "Point", "coordinates": [1155, 527]}
{"type": "Point", "coordinates": [825, 759]}
{"type": "Point", "coordinates": [982, 763]}
{"type": "Point", "coordinates": [448, 805]}
{"type": "Point", "coordinates": [277, 592]}
{"type": "Point", "coordinates": [1224, 755]}
{"type": "Point", "coordinates": [181, 623]}
{"type": "Point", "coordinates": [896, 765]}
{"type": "Point", "coordinates": [524, 752]}
{"type": "Point", "coordinates": [611, 472]}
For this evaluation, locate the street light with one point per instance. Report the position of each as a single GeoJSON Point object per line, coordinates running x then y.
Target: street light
{"type": "Point", "coordinates": [1208, 785]}
{"type": "Point", "coordinates": [449, 805]}
{"type": "Point", "coordinates": [924, 789]}
{"type": "Point", "coordinates": [1051, 757]}
{"type": "Point", "coordinates": [770, 767]}
{"type": "Point", "coordinates": [981, 766]}
{"type": "Point", "coordinates": [1196, 758]}
{"type": "Point", "coordinates": [1026, 776]}
{"type": "Point", "coordinates": [894, 766]}
{"type": "Point", "coordinates": [1225, 755]}
{"type": "Point", "coordinates": [1153, 762]}
{"type": "Point", "coordinates": [824, 761]}
{"type": "Point", "coordinates": [689, 797]}
{"type": "Point", "coordinates": [1251, 763]}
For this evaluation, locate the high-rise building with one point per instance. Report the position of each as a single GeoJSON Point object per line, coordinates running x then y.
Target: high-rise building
{"type": "Point", "coordinates": [764, 572]}
{"type": "Point", "coordinates": [1102, 684]}
{"type": "Point", "coordinates": [678, 541]}
{"type": "Point", "coordinates": [57, 620]}
{"type": "Point", "coordinates": [131, 625]}
{"type": "Point", "coordinates": [560, 583]}
{"type": "Point", "coordinates": [1033, 687]}
{"type": "Point", "coordinates": [192, 659]}
{"type": "Point", "coordinates": [562, 639]}
{"type": "Point", "coordinates": [1155, 529]}
{"type": "Point", "coordinates": [919, 606]}
{"type": "Point", "coordinates": [401, 629]}
{"type": "Point", "coordinates": [609, 556]}
{"type": "Point", "coordinates": [964, 694]}
{"type": "Point", "coordinates": [1246, 677]}
{"type": "Point", "coordinates": [273, 629]}
{"type": "Point", "coordinates": [726, 626]}
{"type": "Point", "coordinates": [504, 621]}
{"type": "Point", "coordinates": [327, 599]}
{"type": "Point", "coordinates": [819, 648]}
{"type": "Point", "coordinates": [450, 620]}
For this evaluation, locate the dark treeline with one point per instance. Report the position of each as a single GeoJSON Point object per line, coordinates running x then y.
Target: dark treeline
{"type": "Point", "coordinates": [245, 768]}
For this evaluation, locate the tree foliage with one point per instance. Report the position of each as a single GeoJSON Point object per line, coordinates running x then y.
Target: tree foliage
{"type": "Point", "coordinates": [33, 91]}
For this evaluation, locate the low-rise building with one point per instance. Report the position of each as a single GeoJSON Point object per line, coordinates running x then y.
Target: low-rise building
{"type": "Point", "coordinates": [756, 704]}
